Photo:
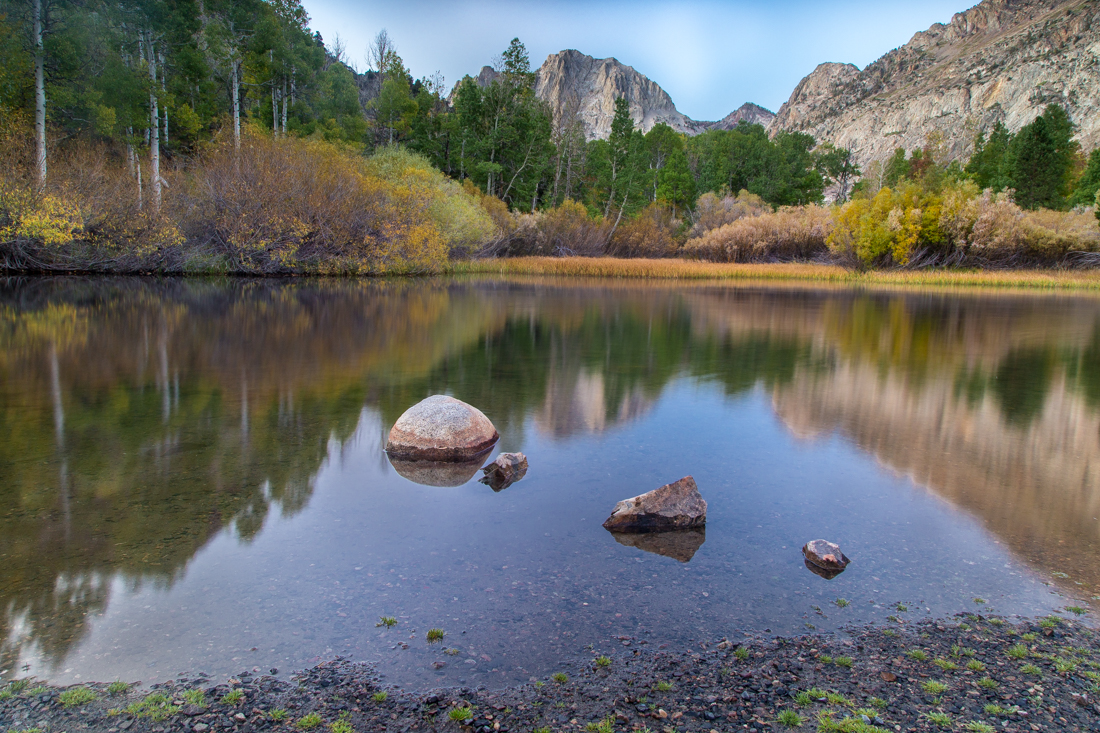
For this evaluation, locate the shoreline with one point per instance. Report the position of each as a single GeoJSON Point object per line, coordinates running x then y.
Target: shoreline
{"type": "Point", "coordinates": [820, 274]}
{"type": "Point", "coordinates": [971, 673]}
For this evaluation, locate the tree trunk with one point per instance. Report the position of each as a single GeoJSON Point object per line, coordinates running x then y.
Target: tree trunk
{"type": "Point", "coordinates": [39, 96]}
{"type": "Point", "coordinates": [284, 105]}
{"type": "Point", "coordinates": [236, 107]}
{"type": "Point", "coordinates": [154, 129]}
{"type": "Point", "coordinates": [164, 93]}
{"type": "Point", "coordinates": [141, 197]}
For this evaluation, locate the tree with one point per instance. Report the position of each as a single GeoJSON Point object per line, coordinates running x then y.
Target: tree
{"type": "Point", "coordinates": [987, 165]}
{"type": "Point", "coordinates": [896, 169]}
{"type": "Point", "coordinates": [1040, 160]}
{"type": "Point", "coordinates": [616, 167]}
{"type": "Point", "coordinates": [1089, 185]}
{"type": "Point", "coordinates": [839, 167]}
{"type": "Point", "coordinates": [675, 184]}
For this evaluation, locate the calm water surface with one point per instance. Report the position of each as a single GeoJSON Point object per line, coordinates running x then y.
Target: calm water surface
{"type": "Point", "coordinates": [192, 475]}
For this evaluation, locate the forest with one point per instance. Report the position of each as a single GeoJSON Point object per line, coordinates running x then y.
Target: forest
{"type": "Point", "coordinates": [224, 136]}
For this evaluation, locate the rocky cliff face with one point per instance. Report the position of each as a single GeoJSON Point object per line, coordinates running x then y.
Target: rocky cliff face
{"type": "Point", "coordinates": [1002, 60]}
{"type": "Point", "coordinates": [573, 82]}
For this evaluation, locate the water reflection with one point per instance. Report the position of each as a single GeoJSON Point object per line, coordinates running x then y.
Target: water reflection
{"type": "Point", "coordinates": [144, 419]}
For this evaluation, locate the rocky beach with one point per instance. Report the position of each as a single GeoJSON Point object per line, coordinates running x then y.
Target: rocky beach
{"type": "Point", "coordinates": [970, 673]}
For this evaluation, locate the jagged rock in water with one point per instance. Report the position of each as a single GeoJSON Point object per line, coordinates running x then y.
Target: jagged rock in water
{"type": "Point", "coordinates": [674, 506]}
{"type": "Point", "coordinates": [1002, 60]}
{"type": "Point", "coordinates": [825, 556]}
{"type": "Point", "coordinates": [441, 428]}
{"type": "Point", "coordinates": [679, 545]}
{"type": "Point", "coordinates": [436, 473]}
{"type": "Point", "coordinates": [505, 471]}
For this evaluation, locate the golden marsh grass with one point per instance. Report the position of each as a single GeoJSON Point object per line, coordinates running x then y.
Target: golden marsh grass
{"type": "Point", "coordinates": [677, 269]}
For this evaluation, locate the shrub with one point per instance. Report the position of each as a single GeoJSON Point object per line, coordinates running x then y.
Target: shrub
{"type": "Point", "coordinates": [712, 211]}
{"type": "Point", "coordinates": [652, 233]}
{"type": "Point", "coordinates": [566, 230]}
{"type": "Point", "coordinates": [791, 233]}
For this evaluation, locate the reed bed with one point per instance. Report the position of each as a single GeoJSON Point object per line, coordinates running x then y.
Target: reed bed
{"type": "Point", "coordinates": [679, 269]}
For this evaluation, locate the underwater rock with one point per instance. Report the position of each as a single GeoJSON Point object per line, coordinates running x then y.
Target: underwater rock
{"type": "Point", "coordinates": [441, 428]}
{"type": "Point", "coordinates": [505, 471]}
{"type": "Point", "coordinates": [679, 544]}
{"type": "Point", "coordinates": [674, 506]}
{"type": "Point", "coordinates": [825, 555]}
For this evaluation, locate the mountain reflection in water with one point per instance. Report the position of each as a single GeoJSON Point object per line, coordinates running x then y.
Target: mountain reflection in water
{"type": "Point", "coordinates": [142, 419]}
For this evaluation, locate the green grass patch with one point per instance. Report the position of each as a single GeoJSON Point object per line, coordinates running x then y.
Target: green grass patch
{"type": "Point", "coordinates": [945, 664]}
{"type": "Point", "coordinates": [560, 677]}
{"type": "Point", "coordinates": [989, 683]}
{"type": "Point", "coordinates": [978, 726]}
{"type": "Point", "coordinates": [942, 720]}
{"type": "Point", "coordinates": [975, 666]}
{"type": "Point", "coordinates": [741, 653]}
{"type": "Point", "coordinates": [602, 661]}
{"type": "Point", "coordinates": [1064, 666]}
{"type": "Point", "coordinates": [607, 725]}
{"type": "Point", "coordinates": [75, 696]}
{"type": "Point", "coordinates": [917, 654]}
{"type": "Point", "coordinates": [1032, 670]}
{"type": "Point", "coordinates": [789, 718]}
{"type": "Point", "coordinates": [1017, 651]}
{"type": "Point", "coordinates": [232, 697]}
{"type": "Point", "coordinates": [386, 621]}
{"type": "Point", "coordinates": [932, 687]}
{"type": "Point", "coordinates": [845, 662]}
{"type": "Point", "coordinates": [195, 697]}
{"type": "Point", "coordinates": [663, 686]}
{"type": "Point", "coordinates": [380, 696]}
{"type": "Point", "coordinates": [157, 707]}
{"type": "Point", "coordinates": [460, 714]}
{"type": "Point", "coordinates": [435, 635]}
{"type": "Point", "coordinates": [118, 687]}
{"type": "Point", "coordinates": [278, 714]}
{"type": "Point", "coordinates": [309, 722]}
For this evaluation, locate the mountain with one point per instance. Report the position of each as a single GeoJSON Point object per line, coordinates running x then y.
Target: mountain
{"type": "Point", "coordinates": [576, 83]}
{"type": "Point", "coordinates": [1002, 60]}
{"type": "Point", "coordinates": [748, 112]}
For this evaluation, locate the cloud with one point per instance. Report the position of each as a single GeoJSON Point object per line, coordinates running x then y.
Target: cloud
{"type": "Point", "coordinates": [710, 56]}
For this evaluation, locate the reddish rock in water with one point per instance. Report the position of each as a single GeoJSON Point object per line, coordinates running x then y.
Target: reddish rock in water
{"type": "Point", "coordinates": [825, 555]}
{"type": "Point", "coordinates": [673, 506]}
{"type": "Point", "coordinates": [441, 428]}
{"type": "Point", "coordinates": [505, 471]}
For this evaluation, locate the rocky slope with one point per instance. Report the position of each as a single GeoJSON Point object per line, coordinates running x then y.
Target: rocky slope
{"type": "Point", "coordinates": [1000, 60]}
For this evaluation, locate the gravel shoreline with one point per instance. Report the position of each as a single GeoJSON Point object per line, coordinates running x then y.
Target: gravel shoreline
{"type": "Point", "coordinates": [971, 673]}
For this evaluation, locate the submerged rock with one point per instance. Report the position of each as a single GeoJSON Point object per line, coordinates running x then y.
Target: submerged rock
{"type": "Point", "coordinates": [822, 572]}
{"type": "Point", "coordinates": [672, 507]}
{"type": "Point", "coordinates": [505, 471]}
{"type": "Point", "coordinates": [436, 473]}
{"type": "Point", "coordinates": [441, 428]}
{"type": "Point", "coordinates": [679, 544]}
{"type": "Point", "coordinates": [826, 556]}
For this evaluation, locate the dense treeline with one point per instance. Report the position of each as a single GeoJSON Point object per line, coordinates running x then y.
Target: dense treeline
{"type": "Point", "coordinates": [225, 135]}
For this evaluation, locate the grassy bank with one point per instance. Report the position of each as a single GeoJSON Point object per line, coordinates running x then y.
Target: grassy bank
{"type": "Point", "coordinates": [677, 269]}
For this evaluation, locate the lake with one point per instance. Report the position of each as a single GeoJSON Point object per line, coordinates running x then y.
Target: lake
{"type": "Point", "coordinates": [192, 473]}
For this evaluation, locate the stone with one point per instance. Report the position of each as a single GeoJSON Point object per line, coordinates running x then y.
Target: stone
{"type": "Point", "coordinates": [825, 555]}
{"type": "Point", "coordinates": [505, 471]}
{"type": "Point", "coordinates": [675, 506]}
{"type": "Point", "coordinates": [441, 428]}
{"type": "Point", "coordinates": [822, 572]}
{"type": "Point", "coordinates": [678, 544]}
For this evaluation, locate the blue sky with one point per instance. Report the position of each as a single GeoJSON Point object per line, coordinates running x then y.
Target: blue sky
{"type": "Point", "coordinates": [709, 55]}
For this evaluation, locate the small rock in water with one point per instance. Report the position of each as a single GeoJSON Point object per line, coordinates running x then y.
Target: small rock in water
{"type": "Point", "coordinates": [441, 428]}
{"type": "Point", "coordinates": [505, 471]}
{"type": "Point", "coordinates": [674, 506]}
{"type": "Point", "coordinates": [826, 556]}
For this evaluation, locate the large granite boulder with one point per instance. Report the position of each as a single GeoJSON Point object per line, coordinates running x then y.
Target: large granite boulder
{"type": "Point", "coordinates": [673, 506]}
{"type": "Point", "coordinates": [826, 556]}
{"type": "Point", "coordinates": [505, 471]}
{"type": "Point", "coordinates": [441, 428]}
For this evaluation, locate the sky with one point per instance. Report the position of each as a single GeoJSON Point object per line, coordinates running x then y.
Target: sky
{"type": "Point", "coordinates": [709, 55]}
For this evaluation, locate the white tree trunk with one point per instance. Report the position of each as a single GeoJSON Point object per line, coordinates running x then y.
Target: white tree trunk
{"type": "Point", "coordinates": [39, 96]}
{"type": "Point", "coordinates": [141, 197]}
{"type": "Point", "coordinates": [154, 128]}
{"type": "Point", "coordinates": [284, 105]}
{"type": "Point", "coordinates": [236, 106]}
{"type": "Point", "coordinates": [164, 93]}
